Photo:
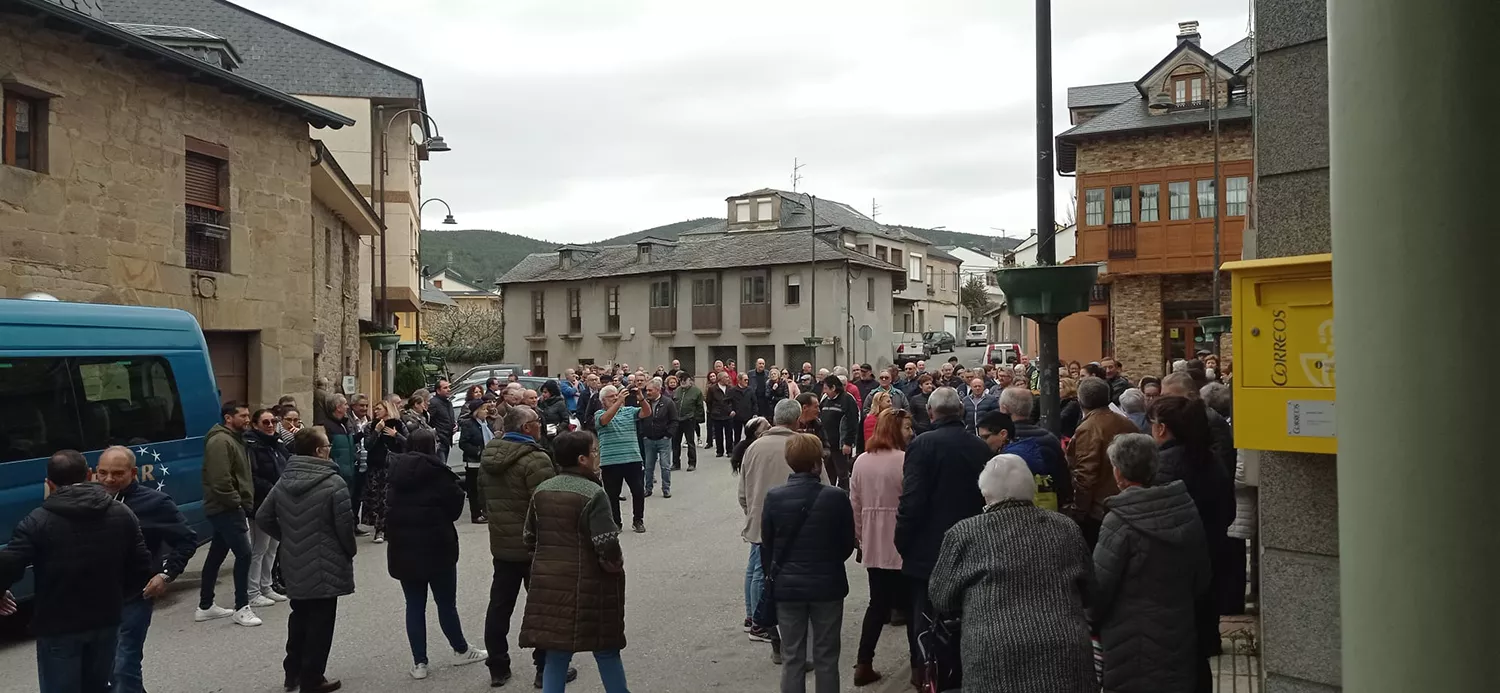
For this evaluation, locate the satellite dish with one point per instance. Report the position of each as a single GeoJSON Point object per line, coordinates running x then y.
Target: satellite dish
{"type": "Point", "coordinates": [38, 296]}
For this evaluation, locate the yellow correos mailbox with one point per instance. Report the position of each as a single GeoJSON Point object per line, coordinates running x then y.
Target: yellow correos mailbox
{"type": "Point", "coordinates": [1283, 353]}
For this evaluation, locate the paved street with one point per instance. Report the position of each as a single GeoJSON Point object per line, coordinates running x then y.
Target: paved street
{"type": "Point", "coordinates": [685, 602]}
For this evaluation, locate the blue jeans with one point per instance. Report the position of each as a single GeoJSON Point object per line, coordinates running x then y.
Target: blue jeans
{"type": "Point", "coordinates": [77, 662]}
{"type": "Point", "coordinates": [611, 671]}
{"type": "Point", "coordinates": [755, 580]}
{"type": "Point", "coordinates": [230, 534]}
{"type": "Point", "coordinates": [445, 595]}
{"type": "Point", "coordinates": [135, 619]}
{"type": "Point", "coordinates": [658, 453]}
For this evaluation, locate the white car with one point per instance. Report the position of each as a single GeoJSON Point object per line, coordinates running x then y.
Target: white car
{"type": "Point", "coordinates": [978, 335]}
{"type": "Point", "coordinates": [909, 346]}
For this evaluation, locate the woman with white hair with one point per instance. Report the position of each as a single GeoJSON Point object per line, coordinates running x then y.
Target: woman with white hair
{"type": "Point", "coordinates": [1018, 575]}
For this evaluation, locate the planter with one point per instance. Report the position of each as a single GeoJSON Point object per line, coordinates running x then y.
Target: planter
{"type": "Point", "coordinates": [1047, 293]}
{"type": "Point", "coordinates": [1214, 325]}
{"type": "Point", "coordinates": [381, 340]}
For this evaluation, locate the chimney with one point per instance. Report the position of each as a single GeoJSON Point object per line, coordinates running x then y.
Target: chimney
{"type": "Point", "coordinates": [1188, 31]}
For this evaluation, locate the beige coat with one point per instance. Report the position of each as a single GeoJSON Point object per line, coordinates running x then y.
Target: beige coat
{"type": "Point", "coordinates": [764, 468]}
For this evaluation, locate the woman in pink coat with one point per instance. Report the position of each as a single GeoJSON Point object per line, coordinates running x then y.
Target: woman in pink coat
{"type": "Point", "coordinates": [875, 491]}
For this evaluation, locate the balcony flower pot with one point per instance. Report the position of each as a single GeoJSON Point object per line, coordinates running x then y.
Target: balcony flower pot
{"type": "Point", "coordinates": [381, 340]}
{"type": "Point", "coordinates": [1047, 293]}
{"type": "Point", "coordinates": [1214, 325]}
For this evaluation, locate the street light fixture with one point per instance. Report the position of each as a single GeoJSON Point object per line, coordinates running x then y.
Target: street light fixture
{"type": "Point", "coordinates": [448, 220]}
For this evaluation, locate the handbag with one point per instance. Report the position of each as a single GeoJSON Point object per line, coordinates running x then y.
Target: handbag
{"type": "Point", "coordinates": [765, 607]}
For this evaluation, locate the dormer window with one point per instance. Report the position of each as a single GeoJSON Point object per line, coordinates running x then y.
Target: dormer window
{"type": "Point", "coordinates": [741, 211]}
{"type": "Point", "coordinates": [1188, 90]}
{"type": "Point", "coordinates": [643, 254]}
{"type": "Point", "coordinates": [764, 209]}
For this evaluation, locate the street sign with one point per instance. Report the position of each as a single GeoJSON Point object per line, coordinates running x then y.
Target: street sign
{"type": "Point", "coordinates": [865, 333]}
{"type": "Point", "coordinates": [812, 341]}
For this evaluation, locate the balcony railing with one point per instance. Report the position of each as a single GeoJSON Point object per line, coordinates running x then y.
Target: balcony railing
{"type": "Point", "coordinates": [664, 320]}
{"type": "Point", "coordinates": [1121, 241]}
{"type": "Point", "coordinates": [755, 316]}
{"type": "Point", "coordinates": [1099, 295]}
{"type": "Point", "coordinates": [931, 290]}
{"type": "Point", "coordinates": [706, 318]}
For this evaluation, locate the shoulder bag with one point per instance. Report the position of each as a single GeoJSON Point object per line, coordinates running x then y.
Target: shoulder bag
{"type": "Point", "coordinates": [765, 608]}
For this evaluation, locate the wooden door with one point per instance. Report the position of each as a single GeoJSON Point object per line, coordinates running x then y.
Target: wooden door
{"type": "Point", "coordinates": [229, 352]}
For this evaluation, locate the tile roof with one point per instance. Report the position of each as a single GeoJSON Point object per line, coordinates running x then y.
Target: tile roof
{"type": "Point", "coordinates": [1237, 55]}
{"type": "Point", "coordinates": [1101, 94]}
{"type": "Point", "coordinates": [167, 59]}
{"type": "Point", "coordinates": [1135, 115]}
{"type": "Point", "coordinates": [158, 31]}
{"type": "Point", "coordinates": [275, 54]}
{"type": "Point", "coordinates": [740, 249]}
{"type": "Point", "coordinates": [431, 294]}
{"type": "Point", "coordinates": [939, 253]}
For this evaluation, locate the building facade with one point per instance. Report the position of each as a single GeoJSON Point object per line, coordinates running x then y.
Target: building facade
{"type": "Point", "coordinates": [145, 175]}
{"type": "Point", "coordinates": [757, 286]}
{"type": "Point", "coordinates": [1143, 154]}
{"type": "Point", "coordinates": [386, 105]}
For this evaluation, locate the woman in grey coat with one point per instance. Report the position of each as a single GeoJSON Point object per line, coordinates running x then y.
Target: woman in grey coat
{"type": "Point", "coordinates": [308, 511]}
{"type": "Point", "coordinates": [1151, 565]}
{"type": "Point", "coordinates": [1018, 574]}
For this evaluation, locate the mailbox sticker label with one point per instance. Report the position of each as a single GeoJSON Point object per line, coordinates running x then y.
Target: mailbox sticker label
{"type": "Point", "coordinates": [1307, 418]}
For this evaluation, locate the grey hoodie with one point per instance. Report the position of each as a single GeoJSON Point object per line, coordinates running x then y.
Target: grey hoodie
{"type": "Point", "coordinates": [308, 511]}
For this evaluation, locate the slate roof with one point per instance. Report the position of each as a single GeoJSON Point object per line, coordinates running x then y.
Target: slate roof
{"type": "Point", "coordinates": [431, 294]}
{"type": "Point", "coordinates": [744, 249]}
{"type": "Point", "coordinates": [158, 31]}
{"type": "Point", "coordinates": [275, 54]}
{"type": "Point", "coordinates": [1101, 94]}
{"type": "Point", "coordinates": [939, 253]}
{"type": "Point", "coordinates": [158, 56]}
{"type": "Point", "coordinates": [1130, 112]}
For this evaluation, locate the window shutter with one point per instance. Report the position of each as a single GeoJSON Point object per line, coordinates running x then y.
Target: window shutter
{"type": "Point", "coordinates": [201, 185]}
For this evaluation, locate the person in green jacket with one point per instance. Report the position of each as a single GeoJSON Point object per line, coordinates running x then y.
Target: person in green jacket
{"type": "Point", "coordinates": [228, 496]}
{"type": "Point", "coordinates": [341, 433]}
{"type": "Point", "coordinates": [689, 416]}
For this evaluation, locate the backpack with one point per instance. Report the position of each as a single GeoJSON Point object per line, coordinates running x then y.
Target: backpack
{"type": "Point", "coordinates": [1030, 449]}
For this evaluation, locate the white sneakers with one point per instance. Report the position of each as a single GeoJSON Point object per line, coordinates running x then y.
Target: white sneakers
{"type": "Point", "coordinates": [473, 655]}
{"type": "Point", "coordinates": [419, 672]}
{"type": "Point", "coordinates": [213, 612]}
{"type": "Point", "coordinates": [245, 617]}
{"type": "Point", "coordinates": [273, 595]}
{"type": "Point", "coordinates": [261, 601]}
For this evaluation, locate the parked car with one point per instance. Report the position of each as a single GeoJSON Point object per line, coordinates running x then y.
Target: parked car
{"type": "Point", "coordinates": [939, 342]}
{"type": "Point", "coordinates": [1008, 353]}
{"type": "Point", "coordinates": [909, 346]}
{"type": "Point", "coordinates": [978, 335]}
{"type": "Point", "coordinates": [491, 370]}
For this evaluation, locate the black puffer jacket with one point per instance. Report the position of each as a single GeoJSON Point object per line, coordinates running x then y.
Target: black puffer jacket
{"type": "Point", "coordinates": [811, 564]}
{"type": "Point", "coordinates": [1212, 492]}
{"type": "Point", "coordinates": [440, 416]}
{"type": "Point", "coordinates": [939, 487]}
{"type": "Point", "coordinates": [88, 555]}
{"type": "Point", "coordinates": [268, 456]}
{"type": "Point", "coordinates": [309, 513]}
{"type": "Point", "coordinates": [424, 500]}
{"type": "Point", "coordinates": [1151, 565]}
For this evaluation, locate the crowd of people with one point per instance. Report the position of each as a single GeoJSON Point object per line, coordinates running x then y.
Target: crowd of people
{"type": "Point", "coordinates": [1103, 553]}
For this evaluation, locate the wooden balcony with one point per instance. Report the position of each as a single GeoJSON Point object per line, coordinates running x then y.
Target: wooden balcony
{"type": "Point", "coordinates": [708, 318]}
{"type": "Point", "coordinates": [664, 320]}
{"type": "Point", "coordinates": [755, 317]}
{"type": "Point", "coordinates": [1121, 241]}
{"type": "Point", "coordinates": [1099, 295]}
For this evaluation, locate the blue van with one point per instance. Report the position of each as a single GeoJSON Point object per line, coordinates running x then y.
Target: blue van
{"type": "Point", "coordinates": [86, 377]}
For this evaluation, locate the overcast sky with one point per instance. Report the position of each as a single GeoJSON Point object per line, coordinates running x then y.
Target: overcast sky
{"type": "Point", "coordinates": [576, 120]}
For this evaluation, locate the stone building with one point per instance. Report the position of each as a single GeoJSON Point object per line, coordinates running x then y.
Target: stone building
{"type": "Point", "coordinates": [136, 173]}
{"type": "Point", "coordinates": [1143, 155]}
{"type": "Point", "coordinates": [756, 286]}
{"type": "Point", "coordinates": [387, 106]}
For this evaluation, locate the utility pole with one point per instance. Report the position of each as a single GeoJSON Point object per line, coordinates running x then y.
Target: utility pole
{"type": "Point", "coordinates": [1046, 250]}
{"type": "Point", "coordinates": [812, 280]}
{"type": "Point", "coordinates": [1213, 90]}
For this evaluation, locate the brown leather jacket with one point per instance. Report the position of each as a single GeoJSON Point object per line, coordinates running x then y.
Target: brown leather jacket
{"type": "Point", "coordinates": [1093, 476]}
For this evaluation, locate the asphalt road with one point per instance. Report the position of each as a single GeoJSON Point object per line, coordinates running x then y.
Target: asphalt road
{"type": "Point", "coordinates": [685, 603]}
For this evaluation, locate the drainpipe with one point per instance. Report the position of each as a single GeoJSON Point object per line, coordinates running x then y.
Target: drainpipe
{"type": "Point", "coordinates": [1416, 552]}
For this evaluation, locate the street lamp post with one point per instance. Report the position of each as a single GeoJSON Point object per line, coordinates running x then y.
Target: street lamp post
{"type": "Point", "coordinates": [447, 220]}
{"type": "Point", "coordinates": [1046, 248]}
{"type": "Point", "coordinates": [434, 143]}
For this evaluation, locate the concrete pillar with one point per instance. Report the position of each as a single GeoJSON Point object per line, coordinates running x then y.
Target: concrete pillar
{"type": "Point", "coordinates": [1413, 189]}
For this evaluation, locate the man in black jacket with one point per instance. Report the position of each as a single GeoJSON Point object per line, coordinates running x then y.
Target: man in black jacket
{"type": "Point", "coordinates": [720, 412]}
{"type": "Point", "coordinates": [939, 487]}
{"type": "Point", "coordinates": [839, 414]}
{"type": "Point", "coordinates": [440, 415]}
{"type": "Point", "coordinates": [760, 394]}
{"type": "Point", "coordinates": [88, 556]}
{"type": "Point", "coordinates": [656, 438]}
{"type": "Point", "coordinates": [171, 543]}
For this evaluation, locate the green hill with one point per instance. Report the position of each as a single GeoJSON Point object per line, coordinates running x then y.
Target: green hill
{"type": "Point", "coordinates": [478, 254]}
{"type": "Point", "coordinates": [668, 232]}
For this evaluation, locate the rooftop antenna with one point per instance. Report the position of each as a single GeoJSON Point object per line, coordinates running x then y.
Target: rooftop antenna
{"type": "Point", "coordinates": [796, 173]}
{"type": "Point", "coordinates": [874, 208]}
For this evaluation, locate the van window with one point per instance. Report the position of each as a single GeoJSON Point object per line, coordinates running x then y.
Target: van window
{"type": "Point", "coordinates": [51, 404]}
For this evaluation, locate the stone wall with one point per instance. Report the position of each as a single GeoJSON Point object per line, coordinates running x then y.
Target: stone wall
{"type": "Point", "coordinates": [1299, 503]}
{"type": "Point", "coordinates": [1135, 307]}
{"type": "Point", "coordinates": [335, 288]}
{"type": "Point", "coordinates": [105, 223]}
{"type": "Point", "coordinates": [1165, 148]}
